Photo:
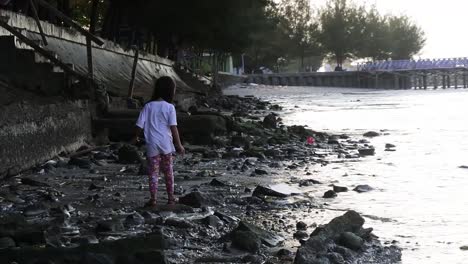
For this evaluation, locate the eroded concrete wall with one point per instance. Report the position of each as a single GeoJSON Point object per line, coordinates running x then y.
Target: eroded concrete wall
{"type": "Point", "coordinates": [31, 133]}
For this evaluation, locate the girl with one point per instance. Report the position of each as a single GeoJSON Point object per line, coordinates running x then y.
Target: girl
{"type": "Point", "coordinates": [159, 123]}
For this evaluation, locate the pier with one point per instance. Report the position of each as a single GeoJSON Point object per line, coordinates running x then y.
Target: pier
{"type": "Point", "coordinates": [401, 74]}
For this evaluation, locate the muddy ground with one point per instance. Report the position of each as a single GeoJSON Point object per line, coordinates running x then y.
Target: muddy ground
{"type": "Point", "coordinates": [251, 194]}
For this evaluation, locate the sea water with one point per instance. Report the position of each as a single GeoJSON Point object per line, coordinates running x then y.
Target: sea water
{"type": "Point", "coordinates": [421, 190]}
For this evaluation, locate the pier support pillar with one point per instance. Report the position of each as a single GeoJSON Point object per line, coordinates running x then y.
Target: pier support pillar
{"type": "Point", "coordinates": [464, 79]}
{"type": "Point", "coordinates": [448, 81]}
{"type": "Point", "coordinates": [435, 84]}
{"type": "Point", "coordinates": [396, 82]}
{"type": "Point", "coordinates": [455, 80]}
{"type": "Point", "coordinates": [424, 77]}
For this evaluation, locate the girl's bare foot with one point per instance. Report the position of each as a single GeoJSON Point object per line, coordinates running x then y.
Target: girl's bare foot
{"type": "Point", "coordinates": [151, 203]}
{"type": "Point", "coordinates": [171, 201]}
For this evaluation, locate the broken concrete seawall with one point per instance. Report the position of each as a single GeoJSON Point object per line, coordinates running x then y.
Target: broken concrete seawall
{"type": "Point", "coordinates": [32, 133]}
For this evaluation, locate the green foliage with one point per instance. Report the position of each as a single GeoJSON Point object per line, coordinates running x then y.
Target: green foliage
{"type": "Point", "coordinates": [342, 29]}
{"type": "Point", "coordinates": [351, 31]}
{"type": "Point", "coordinates": [406, 38]}
{"type": "Point", "coordinates": [298, 22]}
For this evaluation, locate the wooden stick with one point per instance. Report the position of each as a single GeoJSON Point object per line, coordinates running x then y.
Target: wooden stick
{"type": "Point", "coordinates": [70, 22]}
{"type": "Point", "coordinates": [134, 68]}
{"type": "Point", "coordinates": [38, 22]}
{"type": "Point", "coordinates": [89, 53]}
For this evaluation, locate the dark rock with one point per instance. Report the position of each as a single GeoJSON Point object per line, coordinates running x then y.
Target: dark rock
{"type": "Point", "coordinates": [128, 154]}
{"type": "Point", "coordinates": [301, 225]}
{"type": "Point", "coordinates": [31, 182]}
{"type": "Point", "coordinates": [93, 187]}
{"type": "Point", "coordinates": [371, 134]}
{"type": "Point", "coordinates": [240, 142]}
{"type": "Point", "coordinates": [143, 169]}
{"type": "Point", "coordinates": [333, 141]}
{"type": "Point", "coordinates": [217, 183]}
{"type": "Point", "coordinates": [389, 146]}
{"type": "Point", "coordinates": [109, 226]}
{"type": "Point", "coordinates": [261, 172]}
{"type": "Point", "coordinates": [339, 189]}
{"type": "Point", "coordinates": [83, 163]}
{"type": "Point", "coordinates": [213, 221]}
{"type": "Point", "coordinates": [321, 247]}
{"type": "Point", "coordinates": [272, 153]}
{"type": "Point", "coordinates": [7, 242]}
{"type": "Point", "coordinates": [463, 167]}
{"type": "Point", "coordinates": [197, 200]}
{"type": "Point", "coordinates": [34, 210]}
{"type": "Point", "coordinates": [351, 241]}
{"type": "Point", "coordinates": [309, 182]}
{"type": "Point", "coordinates": [134, 219]}
{"type": "Point", "coordinates": [266, 237]}
{"type": "Point", "coordinates": [96, 258]}
{"type": "Point", "coordinates": [282, 253]}
{"type": "Point", "coordinates": [153, 256]}
{"type": "Point", "coordinates": [329, 194]}
{"type": "Point", "coordinates": [363, 188]}
{"type": "Point", "coordinates": [246, 240]}
{"type": "Point", "coordinates": [197, 125]}
{"type": "Point", "coordinates": [270, 121]}
{"type": "Point", "coordinates": [366, 151]}
{"type": "Point", "coordinates": [300, 235]}
{"type": "Point", "coordinates": [265, 191]}
{"type": "Point", "coordinates": [179, 223]}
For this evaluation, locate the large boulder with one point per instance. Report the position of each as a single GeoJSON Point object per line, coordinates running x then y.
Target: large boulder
{"type": "Point", "coordinates": [344, 240]}
{"type": "Point", "coordinates": [200, 129]}
{"type": "Point", "coordinates": [249, 237]}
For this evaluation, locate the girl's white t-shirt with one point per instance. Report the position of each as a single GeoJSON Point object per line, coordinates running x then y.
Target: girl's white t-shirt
{"type": "Point", "coordinates": [155, 119]}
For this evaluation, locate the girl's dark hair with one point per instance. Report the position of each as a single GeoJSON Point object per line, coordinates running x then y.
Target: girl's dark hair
{"type": "Point", "coordinates": [164, 88]}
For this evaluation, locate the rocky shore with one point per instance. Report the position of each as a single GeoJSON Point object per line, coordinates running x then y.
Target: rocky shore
{"type": "Point", "coordinates": [248, 193]}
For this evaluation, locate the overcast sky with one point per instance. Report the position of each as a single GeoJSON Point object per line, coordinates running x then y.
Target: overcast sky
{"type": "Point", "coordinates": [445, 23]}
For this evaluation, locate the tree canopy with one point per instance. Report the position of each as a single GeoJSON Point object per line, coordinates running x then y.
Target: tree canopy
{"type": "Point", "coordinates": [267, 32]}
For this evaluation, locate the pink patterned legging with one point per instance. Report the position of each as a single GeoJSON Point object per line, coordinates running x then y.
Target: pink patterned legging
{"type": "Point", "coordinates": [161, 163]}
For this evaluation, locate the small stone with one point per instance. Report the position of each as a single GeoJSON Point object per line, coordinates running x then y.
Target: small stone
{"type": "Point", "coordinates": [363, 188]}
{"type": "Point", "coordinates": [389, 146]}
{"type": "Point", "coordinates": [366, 152]}
{"type": "Point", "coordinates": [81, 162]}
{"type": "Point", "coordinates": [34, 210]}
{"type": "Point", "coordinates": [261, 172]}
{"type": "Point", "coordinates": [31, 182]}
{"type": "Point", "coordinates": [93, 187]}
{"type": "Point", "coordinates": [213, 221]}
{"type": "Point", "coordinates": [7, 242]}
{"type": "Point", "coordinates": [261, 190]}
{"type": "Point", "coordinates": [177, 223]}
{"type": "Point", "coordinates": [339, 189]}
{"type": "Point", "coordinates": [300, 235]}
{"type": "Point", "coordinates": [371, 134]}
{"type": "Point", "coordinates": [109, 226]}
{"type": "Point", "coordinates": [284, 253]}
{"type": "Point", "coordinates": [217, 183]}
{"type": "Point", "coordinates": [128, 154]}
{"type": "Point", "coordinates": [301, 225]}
{"type": "Point", "coordinates": [134, 219]}
{"type": "Point", "coordinates": [464, 248]}
{"type": "Point", "coordinates": [329, 194]}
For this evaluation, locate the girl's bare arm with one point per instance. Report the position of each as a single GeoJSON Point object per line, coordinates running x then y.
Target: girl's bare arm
{"type": "Point", "coordinates": [177, 143]}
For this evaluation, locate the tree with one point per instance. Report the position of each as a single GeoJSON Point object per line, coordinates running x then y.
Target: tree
{"type": "Point", "coordinates": [406, 38]}
{"type": "Point", "coordinates": [376, 40]}
{"type": "Point", "coordinates": [297, 20]}
{"type": "Point", "coordinates": [341, 29]}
